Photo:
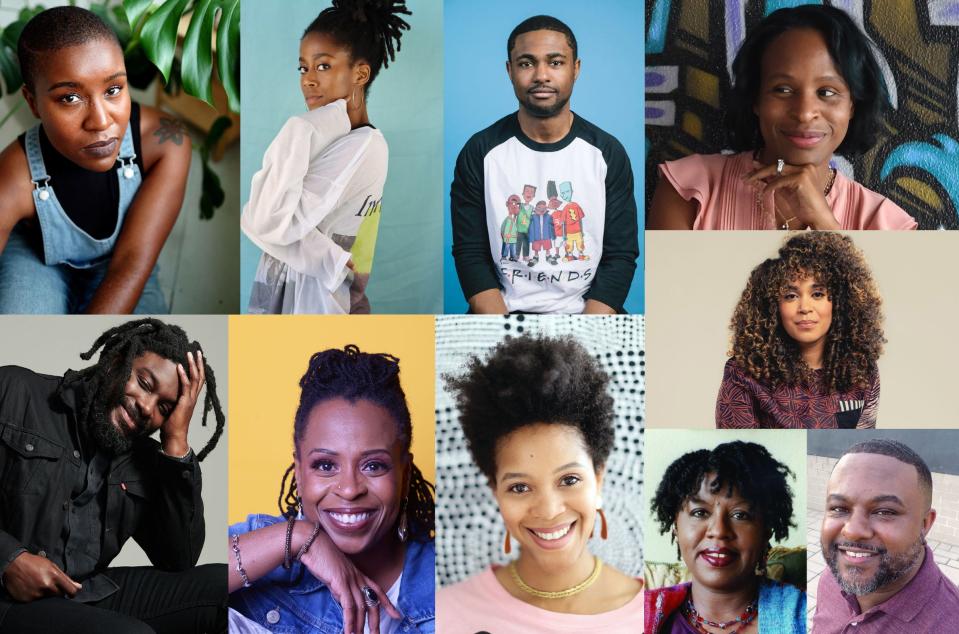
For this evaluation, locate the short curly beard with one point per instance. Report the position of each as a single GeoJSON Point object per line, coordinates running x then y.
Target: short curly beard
{"type": "Point", "coordinates": [891, 568]}
{"type": "Point", "coordinates": [98, 425]}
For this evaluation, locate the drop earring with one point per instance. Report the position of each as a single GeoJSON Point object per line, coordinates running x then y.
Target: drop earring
{"type": "Point", "coordinates": [602, 518]}
{"type": "Point", "coordinates": [507, 547]}
{"type": "Point", "coordinates": [403, 529]}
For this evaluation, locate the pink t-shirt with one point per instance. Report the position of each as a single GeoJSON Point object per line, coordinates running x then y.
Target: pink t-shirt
{"type": "Point", "coordinates": [481, 604]}
{"type": "Point", "coordinates": [726, 202]}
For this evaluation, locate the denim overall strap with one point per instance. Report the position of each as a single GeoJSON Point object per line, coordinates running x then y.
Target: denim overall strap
{"type": "Point", "coordinates": [63, 241]}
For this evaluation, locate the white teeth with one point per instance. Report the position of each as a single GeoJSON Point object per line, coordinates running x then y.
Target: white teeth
{"type": "Point", "coordinates": [554, 535]}
{"type": "Point", "coordinates": [350, 518]}
{"type": "Point", "coordinates": [858, 555]}
{"type": "Point", "coordinates": [719, 555]}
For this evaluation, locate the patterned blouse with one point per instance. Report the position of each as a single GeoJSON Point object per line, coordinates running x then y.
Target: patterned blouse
{"type": "Point", "coordinates": [744, 403]}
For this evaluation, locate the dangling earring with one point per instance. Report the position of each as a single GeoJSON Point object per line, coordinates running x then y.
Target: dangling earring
{"type": "Point", "coordinates": [602, 517]}
{"type": "Point", "coordinates": [403, 529]}
{"type": "Point", "coordinates": [352, 96]}
{"type": "Point", "coordinates": [507, 547]}
{"type": "Point", "coordinates": [299, 507]}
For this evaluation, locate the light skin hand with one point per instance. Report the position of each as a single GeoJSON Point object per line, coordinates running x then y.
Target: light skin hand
{"type": "Point", "coordinates": [30, 577]}
{"type": "Point", "coordinates": [798, 193]}
{"type": "Point", "coordinates": [345, 582]}
{"type": "Point", "coordinates": [173, 432]}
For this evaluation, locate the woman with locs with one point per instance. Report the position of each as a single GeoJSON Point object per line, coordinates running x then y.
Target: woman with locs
{"type": "Point", "coordinates": [354, 542]}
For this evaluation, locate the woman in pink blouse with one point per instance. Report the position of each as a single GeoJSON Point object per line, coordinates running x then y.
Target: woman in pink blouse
{"type": "Point", "coordinates": [805, 85]}
{"type": "Point", "coordinates": [806, 336]}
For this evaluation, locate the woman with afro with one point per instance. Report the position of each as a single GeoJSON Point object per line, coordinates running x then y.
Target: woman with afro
{"type": "Point", "coordinates": [314, 207]}
{"type": "Point", "coordinates": [806, 336]}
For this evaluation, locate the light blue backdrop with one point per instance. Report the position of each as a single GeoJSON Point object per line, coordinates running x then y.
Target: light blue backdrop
{"type": "Point", "coordinates": [405, 104]}
{"type": "Point", "coordinates": [477, 92]}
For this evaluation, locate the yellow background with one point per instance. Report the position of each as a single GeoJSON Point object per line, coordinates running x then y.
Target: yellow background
{"type": "Point", "coordinates": [269, 354]}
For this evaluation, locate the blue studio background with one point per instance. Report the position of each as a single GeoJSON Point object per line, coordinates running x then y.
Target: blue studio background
{"type": "Point", "coordinates": [405, 103]}
{"type": "Point", "coordinates": [477, 91]}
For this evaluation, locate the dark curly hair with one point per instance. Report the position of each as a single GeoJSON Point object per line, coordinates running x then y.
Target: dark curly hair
{"type": "Point", "coordinates": [371, 29]}
{"type": "Point", "coordinates": [124, 343]}
{"type": "Point", "coordinates": [852, 55]}
{"type": "Point", "coordinates": [353, 375]}
{"type": "Point", "coordinates": [741, 466]}
{"type": "Point", "coordinates": [762, 348]}
{"type": "Point", "coordinates": [527, 380]}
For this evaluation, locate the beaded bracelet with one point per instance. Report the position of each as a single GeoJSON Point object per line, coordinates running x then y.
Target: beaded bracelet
{"type": "Point", "coordinates": [239, 564]}
{"type": "Point", "coordinates": [309, 542]}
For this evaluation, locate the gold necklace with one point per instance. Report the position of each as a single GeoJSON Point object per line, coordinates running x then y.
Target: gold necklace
{"type": "Point", "coordinates": [558, 594]}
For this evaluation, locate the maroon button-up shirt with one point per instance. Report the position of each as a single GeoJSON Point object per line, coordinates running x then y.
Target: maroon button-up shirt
{"type": "Point", "coordinates": [928, 603]}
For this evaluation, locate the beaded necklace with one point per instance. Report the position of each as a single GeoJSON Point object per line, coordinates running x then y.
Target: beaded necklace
{"type": "Point", "coordinates": [695, 619]}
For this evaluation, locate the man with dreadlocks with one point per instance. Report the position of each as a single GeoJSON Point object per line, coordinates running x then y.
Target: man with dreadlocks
{"type": "Point", "coordinates": [314, 207]}
{"type": "Point", "coordinates": [81, 475]}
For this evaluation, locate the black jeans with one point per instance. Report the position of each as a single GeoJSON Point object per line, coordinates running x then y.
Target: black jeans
{"type": "Point", "coordinates": [149, 601]}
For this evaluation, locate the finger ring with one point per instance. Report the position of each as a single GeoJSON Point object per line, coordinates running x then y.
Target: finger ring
{"type": "Point", "coordinates": [780, 164]}
{"type": "Point", "coordinates": [369, 597]}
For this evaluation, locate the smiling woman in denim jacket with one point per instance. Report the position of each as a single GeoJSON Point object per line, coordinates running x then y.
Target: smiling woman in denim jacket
{"type": "Point", "coordinates": [354, 544]}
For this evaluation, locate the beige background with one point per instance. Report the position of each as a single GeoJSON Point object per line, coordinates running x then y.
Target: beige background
{"type": "Point", "coordinates": [663, 446]}
{"type": "Point", "coordinates": [52, 345]}
{"type": "Point", "coordinates": [694, 279]}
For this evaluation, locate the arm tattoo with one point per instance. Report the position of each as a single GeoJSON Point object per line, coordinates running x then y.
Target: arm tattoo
{"type": "Point", "coordinates": [170, 130]}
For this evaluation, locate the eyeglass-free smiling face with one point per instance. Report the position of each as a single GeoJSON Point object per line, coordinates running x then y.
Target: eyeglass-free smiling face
{"type": "Point", "coordinates": [351, 472]}
{"type": "Point", "coordinates": [721, 537]}
{"type": "Point", "coordinates": [876, 519]}
{"type": "Point", "coordinates": [548, 490]}
{"type": "Point", "coordinates": [80, 94]}
{"type": "Point", "coordinates": [804, 105]}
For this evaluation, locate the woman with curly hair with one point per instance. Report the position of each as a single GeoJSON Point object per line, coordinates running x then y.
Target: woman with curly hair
{"type": "Point", "coordinates": [314, 207]}
{"type": "Point", "coordinates": [806, 85]}
{"type": "Point", "coordinates": [353, 548]}
{"type": "Point", "coordinates": [538, 422]}
{"type": "Point", "coordinates": [722, 507]}
{"type": "Point", "coordinates": [806, 336]}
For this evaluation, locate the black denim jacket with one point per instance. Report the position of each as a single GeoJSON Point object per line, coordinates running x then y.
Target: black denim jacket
{"type": "Point", "coordinates": [150, 497]}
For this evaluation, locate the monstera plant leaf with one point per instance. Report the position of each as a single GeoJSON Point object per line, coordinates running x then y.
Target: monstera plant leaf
{"type": "Point", "coordinates": [9, 67]}
{"type": "Point", "coordinates": [155, 26]}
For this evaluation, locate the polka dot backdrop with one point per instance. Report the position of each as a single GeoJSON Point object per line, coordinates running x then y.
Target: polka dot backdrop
{"type": "Point", "coordinates": [470, 532]}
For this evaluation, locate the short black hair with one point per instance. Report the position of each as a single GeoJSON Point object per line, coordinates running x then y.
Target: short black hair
{"type": "Point", "coordinates": [55, 29]}
{"type": "Point", "coordinates": [744, 466]}
{"type": "Point", "coordinates": [354, 375]}
{"type": "Point", "coordinates": [124, 343]}
{"type": "Point", "coordinates": [528, 380]}
{"type": "Point", "coordinates": [541, 23]}
{"type": "Point", "coordinates": [371, 29]}
{"type": "Point", "coordinates": [851, 52]}
{"type": "Point", "coordinates": [902, 453]}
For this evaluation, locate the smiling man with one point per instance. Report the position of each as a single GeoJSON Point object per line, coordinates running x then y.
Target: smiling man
{"type": "Point", "coordinates": [542, 144]}
{"type": "Point", "coordinates": [884, 578]}
{"type": "Point", "coordinates": [81, 476]}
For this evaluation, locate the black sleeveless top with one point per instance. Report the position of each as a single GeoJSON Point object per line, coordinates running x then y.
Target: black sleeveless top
{"type": "Point", "coordinates": [90, 199]}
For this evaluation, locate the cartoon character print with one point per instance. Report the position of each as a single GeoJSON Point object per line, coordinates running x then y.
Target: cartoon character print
{"type": "Point", "coordinates": [559, 220]}
{"type": "Point", "coordinates": [525, 215]}
{"type": "Point", "coordinates": [509, 230]}
{"type": "Point", "coordinates": [573, 217]}
{"type": "Point", "coordinates": [541, 233]}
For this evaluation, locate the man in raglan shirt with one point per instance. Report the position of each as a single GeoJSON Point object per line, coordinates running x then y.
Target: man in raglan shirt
{"type": "Point", "coordinates": [543, 142]}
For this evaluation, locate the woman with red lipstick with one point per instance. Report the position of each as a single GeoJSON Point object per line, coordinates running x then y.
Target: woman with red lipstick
{"type": "Point", "coordinates": [538, 422]}
{"type": "Point", "coordinates": [806, 85]}
{"type": "Point", "coordinates": [353, 548]}
{"type": "Point", "coordinates": [806, 339]}
{"type": "Point", "coordinates": [722, 508]}
{"type": "Point", "coordinates": [314, 207]}
{"type": "Point", "coordinates": [89, 196]}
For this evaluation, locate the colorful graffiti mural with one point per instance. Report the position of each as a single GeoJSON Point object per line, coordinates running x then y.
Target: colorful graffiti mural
{"type": "Point", "coordinates": [690, 46]}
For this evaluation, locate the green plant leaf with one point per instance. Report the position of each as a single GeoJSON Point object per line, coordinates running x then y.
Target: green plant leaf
{"type": "Point", "coordinates": [10, 70]}
{"type": "Point", "coordinates": [116, 20]}
{"type": "Point", "coordinates": [228, 52]}
{"type": "Point", "coordinates": [135, 9]}
{"type": "Point", "coordinates": [197, 58]}
{"type": "Point", "coordinates": [158, 34]}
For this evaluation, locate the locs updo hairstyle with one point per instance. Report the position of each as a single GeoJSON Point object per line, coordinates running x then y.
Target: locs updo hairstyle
{"type": "Point", "coordinates": [742, 466]}
{"type": "Point", "coordinates": [762, 348]}
{"type": "Point", "coordinates": [353, 375]}
{"type": "Point", "coordinates": [371, 29]}
{"type": "Point", "coordinates": [124, 343]}
{"type": "Point", "coordinates": [528, 380]}
{"type": "Point", "coordinates": [850, 50]}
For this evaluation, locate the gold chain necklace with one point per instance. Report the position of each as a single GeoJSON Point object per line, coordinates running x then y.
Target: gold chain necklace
{"type": "Point", "coordinates": [558, 594]}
